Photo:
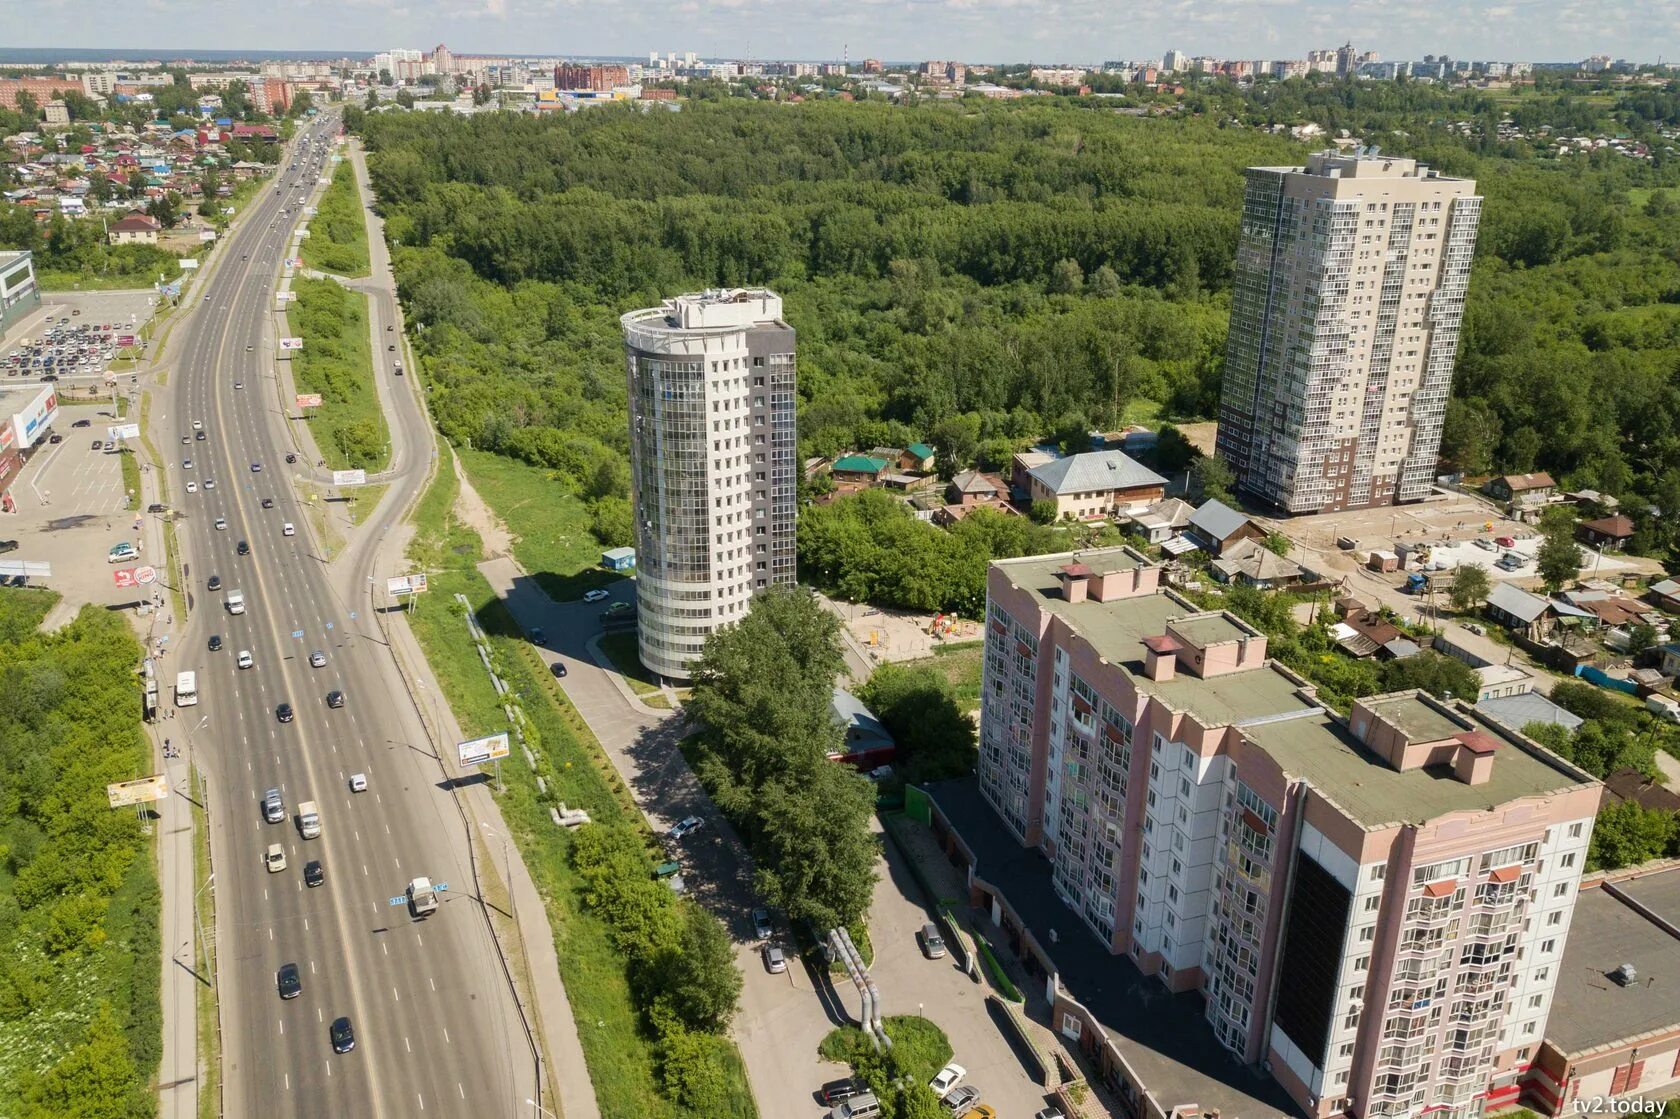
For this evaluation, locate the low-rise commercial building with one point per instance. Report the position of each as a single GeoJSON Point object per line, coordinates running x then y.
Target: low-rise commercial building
{"type": "Point", "coordinates": [1371, 907]}
{"type": "Point", "coordinates": [19, 294]}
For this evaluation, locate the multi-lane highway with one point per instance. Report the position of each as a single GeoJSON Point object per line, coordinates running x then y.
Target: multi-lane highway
{"type": "Point", "coordinates": [436, 1028]}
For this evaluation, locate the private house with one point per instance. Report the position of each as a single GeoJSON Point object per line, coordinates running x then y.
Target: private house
{"type": "Point", "coordinates": [1665, 594]}
{"type": "Point", "coordinates": [1609, 533]}
{"type": "Point", "coordinates": [974, 488]}
{"type": "Point", "coordinates": [868, 743]}
{"type": "Point", "coordinates": [1517, 609]}
{"type": "Point", "coordinates": [947, 515]}
{"type": "Point", "coordinates": [1096, 484]}
{"type": "Point", "coordinates": [1163, 520]}
{"type": "Point", "coordinates": [1216, 526]}
{"type": "Point", "coordinates": [1362, 631]}
{"type": "Point", "coordinates": [1251, 563]}
{"type": "Point", "coordinates": [1517, 711]}
{"type": "Point", "coordinates": [1522, 489]}
{"type": "Point", "coordinates": [135, 229]}
{"type": "Point", "coordinates": [1020, 472]}
{"type": "Point", "coordinates": [1629, 783]}
{"type": "Point", "coordinates": [856, 472]}
{"type": "Point", "coordinates": [916, 457]}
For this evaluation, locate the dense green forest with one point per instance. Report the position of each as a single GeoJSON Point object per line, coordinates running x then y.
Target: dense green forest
{"type": "Point", "coordinates": [986, 275]}
{"type": "Point", "coordinates": [80, 1028]}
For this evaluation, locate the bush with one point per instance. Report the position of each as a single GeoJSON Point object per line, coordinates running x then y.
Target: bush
{"type": "Point", "coordinates": [1006, 986]}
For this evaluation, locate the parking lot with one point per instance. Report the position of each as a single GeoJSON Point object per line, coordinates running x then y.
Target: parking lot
{"type": "Point", "coordinates": [71, 512]}
{"type": "Point", "coordinates": [73, 347]}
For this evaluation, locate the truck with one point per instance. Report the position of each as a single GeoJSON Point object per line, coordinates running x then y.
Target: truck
{"type": "Point", "coordinates": [1663, 707]}
{"type": "Point", "coordinates": [309, 820]}
{"type": "Point", "coordinates": [422, 898]}
{"type": "Point", "coordinates": [186, 689]}
{"type": "Point", "coordinates": [235, 602]}
{"type": "Point", "coordinates": [1416, 583]}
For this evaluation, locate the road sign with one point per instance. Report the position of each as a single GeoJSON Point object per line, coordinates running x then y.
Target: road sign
{"type": "Point", "coordinates": [298, 633]}
{"type": "Point", "coordinates": [349, 477]}
{"type": "Point", "coordinates": [291, 343]}
{"type": "Point", "coordinates": [481, 750]}
{"type": "Point", "coordinates": [406, 584]}
{"type": "Point", "coordinates": [123, 431]}
{"type": "Point", "coordinates": [125, 793]}
{"type": "Point", "coordinates": [399, 900]}
{"type": "Point", "coordinates": [402, 899]}
{"type": "Point", "coordinates": [308, 400]}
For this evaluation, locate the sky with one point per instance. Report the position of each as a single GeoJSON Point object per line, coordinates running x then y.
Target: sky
{"type": "Point", "coordinates": [1042, 31]}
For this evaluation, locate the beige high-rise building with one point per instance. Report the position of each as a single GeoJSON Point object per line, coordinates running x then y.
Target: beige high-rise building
{"type": "Point", "coordinates": [1350, 281]}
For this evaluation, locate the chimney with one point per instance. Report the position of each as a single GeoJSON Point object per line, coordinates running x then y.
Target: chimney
{"type": "Point", "coordinates": [1160, 657]}
{"type": "Point", "coordinates": [1076, 578]}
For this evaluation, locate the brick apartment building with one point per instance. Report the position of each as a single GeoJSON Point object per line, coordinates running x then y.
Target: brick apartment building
{"type": "Point", "coordinates": [1372, 908]}
{"type": "Point", "coordinates": [600, 79]}
{"type": "Point", "coordinates": [41, 89]}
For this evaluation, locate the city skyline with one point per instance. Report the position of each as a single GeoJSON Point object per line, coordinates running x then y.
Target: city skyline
{"type": "Point", "coordinates": [975, 30]}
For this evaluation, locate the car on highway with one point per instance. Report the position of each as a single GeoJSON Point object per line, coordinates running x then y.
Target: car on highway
{"type": "Point", "coordinates": [209, 483]}
{"type": "Point", "coordinates": [343, 1035]}
{"type": "Point", "coordinates": [239, 384]}
{"type": "Point", "coordinates": [335, 698]}
{"type": "Point", "coordinates": [685, 826]}
{"type": "Point", "coordinates": [186, 464]}
{"type": "Point", "coordinates": [290, 457]}
{"type": "Point", "coordinates": [595, 595]}
{"type": "Point", "coordinates": [389, 327]}
{"type": "Point", "coordinates": [775, 960]}
{"type": "Point", "coordinates": [198, 425]}
{"type": "Point", "coordinates": [946, 1079]}
{"type": "Point", "coordinates": [286, 529]}
{"type": "Point", "coordinates": [762, 928]}
{"type": "Point", "coordinates": [268, 503]}
{"type": "Point", "coordinates": [313, 873]}
{"type": "Point", "coordinates": [199, 436]}
{"type": "Point", "coordinates": [392, 348]}
{"type": "Point", "coordinates": [192, 487]}
{"type": "Point", "coordinates": [317, 659]}
{"type": "Point", "coordinates": [289, 981]}
{"type": "Point", "coordinates": [358, 782]}
{"type": "Point", "coordinates": [215, 642]}
{"type": "Point", "coordinates": [256, 468]}
{"type": "Point", "coordinates": [215, 583]}
{"type": "Point", "coordinates": [283, 712]}
{"type": "Point", "coordinates": [186, 440]}
{"type": "Point", "coordinates": [221, 524]}
{"type": "Point", "coordinates": [244, 549]}
{"type": "Point", "coordinates": [244, 659]}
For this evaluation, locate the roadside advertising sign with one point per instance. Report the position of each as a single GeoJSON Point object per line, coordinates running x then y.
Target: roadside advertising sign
{"type": "Point", "coordinates": [349, 477]}
{"type": "Point", "coordinates": [123, 431]}
{"type": "Point", "coordinates": [125, 793]}
{"type": "Point", "coordinates": [308, 400]}
{"type": "Point", "coordinates": [145, 576]}
{"type": "Point", "coordinates": [125, 339]}
{"type": "Point", "coordinates": [406, 584]}
{"type": "Point", "coordinates": [481, 750]}
{"type": "Point", "coordinates": [187, 263]}
{"type": "Point", "coordinates": [291, 343]}
{"type": "Point", "coordinates": [125, 578]}
{"type": "Point", "coordinates": [285, 296]}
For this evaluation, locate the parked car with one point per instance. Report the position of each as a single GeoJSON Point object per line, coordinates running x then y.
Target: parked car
{"type": "Point", "coordinates": [946, 1079]}
{"type": "Point", "coordinates": [933, 945]}
{"type": "Point", "coordinates": [762, 928]}
{"type": "Point", "coordinates": [595, 595]}
{"type": "Point", "coordinates": [686, 825]}
{"type": "Point", "coordinates": [838, 1091]}
{"type": "Point", "coordinates": [775, 960]}
{"type": "Point", "coordinates": [960, 1099]}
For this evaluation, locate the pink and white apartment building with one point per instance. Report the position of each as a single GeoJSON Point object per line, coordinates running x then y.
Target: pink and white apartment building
{"type": "Point", "coordinates": [1373, 907]}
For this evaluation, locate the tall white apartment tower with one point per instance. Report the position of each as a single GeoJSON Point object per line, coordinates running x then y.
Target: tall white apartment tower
{"type": "Point", "coordinates": [1350, 281]}
{"type": "Point", "coordinates": [713, 467]}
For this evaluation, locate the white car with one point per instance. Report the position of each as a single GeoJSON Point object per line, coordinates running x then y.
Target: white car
{"type": "Point", "coordinates": [192, 487]}
{"type": "Point", "coordinates": [198, 425]}
{"type": "Point", "coordinates": [358, 782]}
{"type": "Point", "coordinates": [946, 1079]}
{"type": "Point", "coordinates": [244, 659]}
{"type": "Point", "coordinates": [209, 483]}
{"type": "Point", "coordinates": [595, 595]}
{"type": "Point", "coordinates": [287, 529]}
{"type": "Point", "coordinates": [684, 826]}
{"type": "Point", "coordinates": [221, 524]}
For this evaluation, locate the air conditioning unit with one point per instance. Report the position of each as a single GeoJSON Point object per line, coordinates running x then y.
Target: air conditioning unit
{"type": "Point", "coordinates": [1625, 975]}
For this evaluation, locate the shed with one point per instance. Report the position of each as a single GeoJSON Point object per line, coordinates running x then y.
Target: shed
{"type": "Point", "coordinates": [619, 559]}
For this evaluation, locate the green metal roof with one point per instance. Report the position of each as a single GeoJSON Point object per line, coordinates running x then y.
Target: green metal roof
{"type": "Point", "coordinates": [920, 450]}
{"type": "Point", "coordinates": [861, 464]}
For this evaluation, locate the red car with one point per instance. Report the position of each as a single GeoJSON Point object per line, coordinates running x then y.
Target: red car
{"type": "Point", "coordinates": [1505, 541]}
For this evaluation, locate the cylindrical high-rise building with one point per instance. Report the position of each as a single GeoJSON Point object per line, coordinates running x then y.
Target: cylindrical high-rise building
{"type": "Point", "coordinates": [714, 476]}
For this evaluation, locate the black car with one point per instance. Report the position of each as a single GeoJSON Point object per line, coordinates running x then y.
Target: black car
{"type": "Point", "coordinates": [343, 1035]}
{"type": "Point", "coordinates": [98, 443]}
{"type": "Point", "coordinates": [836, 1091]}
{"type": "Point", "coordinates": [268, 503]}
{"type": "Point", "coordinates": [558, 669]}
{"type": "Point", "coordinates": [289, 981]}
{"type": "Point", "coordinates": [538, 636]}
{"type": "Point", "coordinates": [8, 545]}
{"type": "Point", "coordinates": [283, 712]}
{"type": "Point", "coordinates": [215, 642]}
{"type": "Point", "coordinates": [244, 548]}
{"type": "Point", "coordinates": [215, 583]}
{"type": "Point", "coordinates": [82, 423]}
{"type": "Point", "coordinates": [157, 507]}
{"type": "Point", "coordinates": [335, 698]}
{"type": "Point", "coordinates": [290, 457]}
{"type": "Point", "coordinates": [199, 436]}
{"type": "Point", "coordinates": [55, 437]}
{"type": "Point", "coordinates": [313, 874]}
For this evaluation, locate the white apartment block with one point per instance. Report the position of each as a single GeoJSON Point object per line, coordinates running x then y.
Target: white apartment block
{"type": "Point", "coordinates": [714, 470]}
{"type": "Point", "coordinates": [1350, 281]}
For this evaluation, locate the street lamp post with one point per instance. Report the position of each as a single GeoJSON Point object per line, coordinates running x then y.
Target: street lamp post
{"type": "Point", "coordinates": [539, 1107]}
{"type": "Point", "coordinates": [198, 923]}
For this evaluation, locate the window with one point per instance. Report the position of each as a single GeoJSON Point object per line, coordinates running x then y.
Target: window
{"type": "Point", "coordinates": [1367, 933]}
{"type": "Point", "coordinates": [1569, 859]}
{"type": "Point", "coordinates": [1560, 890]}
{"type": "Point", "coordinates": [1535, 1001]}
{"type": "Point", "coordinates": [1574, 831]}
{"type": "Point", "coordinates": [1554, 918]}
{"type": "Point", "coordinates": [1362, 963]}
{"type": "Point", "coordinates": [1373, 903]}
{"type": "Point", "coordinates": [1547, 945]}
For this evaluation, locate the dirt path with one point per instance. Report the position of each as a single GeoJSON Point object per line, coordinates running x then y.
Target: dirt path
{"type": "Point", "coordinates": [473, 512]}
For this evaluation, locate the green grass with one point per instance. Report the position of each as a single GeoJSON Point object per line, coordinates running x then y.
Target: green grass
{"type": "Point", "coordinates": [960, 663]}
{"type": "Point", "coordinates": [337, 362]}
{"type": "Point", "coordinates": [366, 500]}
{"type": "Point", "coordinates": [620, 1057]}
{"type": "Point", "coordinates": [621, 650]}
{"type": "Point", "coordinates": [209, 1024]}
{"type": "Point", "coordinates": [551, 533]}
{"type": "Point", "coordinates": [337, 240]}
{"type": "Point", "coordinates": [171, 546]}
{"type": "Point", "coordinates": [131, 479]}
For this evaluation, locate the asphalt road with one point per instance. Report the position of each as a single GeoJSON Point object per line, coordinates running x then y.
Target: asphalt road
{"type": "Point", "coordinates": [436, 1029]}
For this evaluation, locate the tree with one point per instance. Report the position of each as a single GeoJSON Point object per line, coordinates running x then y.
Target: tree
{"type": "Point", "coordinates": [1042, 510]}
{"type": "Point", "coordinates": [99, 187]}
{"type": "Point", "coordinates": [696, 978]}
{"type": "Point", "coordinates": [1439, 675]}
{"type": "Point", "coordinates": [1066, 278]}
{"type": "Point", "coordinates": [956, 439]}
{"type": "Point", "coordinates": [210, 204]}
{"type": "Point", "coordinates": [1276, 543]}
{"type": "Point", "coordinates": [1105, 283]}
{"type": "Point", "coordinates": [482, 94]}
{"type": "Point", "coordinates": [372, 101]}
{"type": "Point", "coordinates": [1212, 478]}
{"type": "Point", "coordinates": [27, 106]}
{"type": "Point", "coordinates": [1627, 833]}
{"type": "Point", "coordinates": [1641, 637]}
{"type": "Point", "coordinates": [935, 736]}
{"type": "Point", "coordinates": [137, 184]}
{"type": "Point", "coordinates": [1470, 586]}
{"type": "Point", "coordinates": [1559, 559]}
{"type": "Point", "coordinates": [166, 208]}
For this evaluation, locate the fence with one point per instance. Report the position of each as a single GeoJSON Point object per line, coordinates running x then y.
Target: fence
{"type": "Point", "coordinates": [1603, 679]}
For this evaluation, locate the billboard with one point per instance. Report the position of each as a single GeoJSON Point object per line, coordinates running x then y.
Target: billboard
{"type": "Point", "coordinates": [125, 339]}
{"type": "Point", "coordinates": [123, 431]}
{"type": "Point", "coordinates": [285, 296]}
{"type": "Point", "coordinates": [187, 263]}
{"type": "Point", "coordinates": [406, 584]}
{"type": "Point", "coordinates": [308, 400]}
{"type": "Point", "coordinates": [349, 477]}
{"type": "Point", "coordinates": [291, 343]}
{"type": "Point", "coordinates": [146, 789]}
{"type": "Point", "coordinates": [125, 578]}
{"type": "Point", "coordinates": [481, 750]}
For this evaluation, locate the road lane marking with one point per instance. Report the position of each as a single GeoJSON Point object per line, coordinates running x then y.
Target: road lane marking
{"type": "Point", "coordinates": [385, 947]}
{"type": "Point", "coordinates": [288, 1079]}
{"type": "Point", "coordinates": [460, 1089]}
{"type": "Point", "coordinates": [282, 1025]}
{"type": "Point", "coordinates": [407, 1046]}
{"type": "Point", "coordinates": [432, 981]}
{"type": "Point", "coordinates": [446, 1040]}
{"type": "Point", "coordinates": [395, 996]}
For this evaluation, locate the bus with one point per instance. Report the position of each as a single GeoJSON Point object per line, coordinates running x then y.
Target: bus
{"type": "Point", "coordinates": [186, 689]}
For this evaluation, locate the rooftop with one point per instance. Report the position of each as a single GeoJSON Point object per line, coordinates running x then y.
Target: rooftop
{"type": "Point", "coordinates": [1518, 711]}
{"type": "Point", "coordinates": [1421, 721]}
{"type": "Point", "coordinates": [1318, 749]}
{"type": "Point", "coordinates": [1164, 1036]}
{"type": "Point", "coordinates": [1095, 472]}
{"type": "Point", "coordinates": [1589, 1009]}
{"type": "Point", "coordinates": [1211, 629]}
{"type": "Point", "coordinates": [1217, 520]}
